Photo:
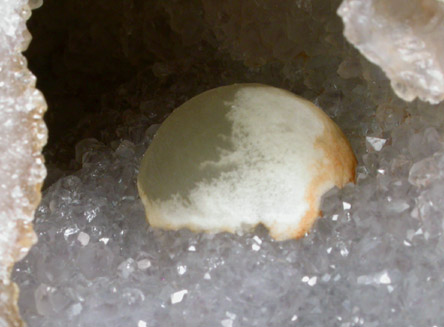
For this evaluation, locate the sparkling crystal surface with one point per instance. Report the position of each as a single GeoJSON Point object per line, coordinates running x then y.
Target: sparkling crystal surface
{"type": "Point", "coordinates": [374, 259]}
{"type": "Point", "coordinates": [405, 38]}
{"type": "Point", "coordinates": [22, 135]}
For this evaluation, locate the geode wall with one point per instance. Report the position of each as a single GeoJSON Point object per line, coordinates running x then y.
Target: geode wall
{"type": "Point", "coordinates": [112, 71]}
{"type": "Point", "coordinates": [22, 135]}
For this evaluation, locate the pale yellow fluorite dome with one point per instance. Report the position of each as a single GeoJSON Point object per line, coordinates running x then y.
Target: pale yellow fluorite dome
{"type": "Point", "coordinates": [242, 155]}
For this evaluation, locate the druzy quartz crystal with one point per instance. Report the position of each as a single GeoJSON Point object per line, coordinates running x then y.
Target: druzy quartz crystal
{"type": "Point", "coordinates": [405, 38]}
{"type": "Point", "coordinates": [22, 136]}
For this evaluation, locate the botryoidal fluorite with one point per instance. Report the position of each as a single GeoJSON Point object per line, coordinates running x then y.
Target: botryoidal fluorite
{"type": "Point", "coordinates": [241, 155]}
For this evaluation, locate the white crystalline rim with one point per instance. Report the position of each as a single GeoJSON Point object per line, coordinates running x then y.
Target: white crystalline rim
{"type": "Point", "coordinates": [287, 153]}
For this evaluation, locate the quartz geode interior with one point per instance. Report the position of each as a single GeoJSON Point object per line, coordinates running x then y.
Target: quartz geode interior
{"type": "Point", "coordinates": [112, 71]}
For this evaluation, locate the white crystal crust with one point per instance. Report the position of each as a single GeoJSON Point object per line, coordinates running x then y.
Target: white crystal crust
{"type": "Point", "coordinates": [405, 38]}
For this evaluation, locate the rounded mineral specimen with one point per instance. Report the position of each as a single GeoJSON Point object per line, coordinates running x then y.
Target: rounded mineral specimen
{"type": "Point", "coordinates": [242, 155]}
